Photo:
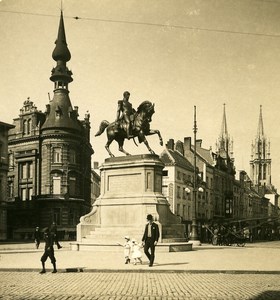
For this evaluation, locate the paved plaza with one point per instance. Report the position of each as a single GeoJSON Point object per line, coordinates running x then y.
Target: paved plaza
{"type": "Point", "coordinates": [207, 272]}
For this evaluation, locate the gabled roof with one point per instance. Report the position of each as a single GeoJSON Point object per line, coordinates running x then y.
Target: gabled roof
{"type": "Point", "coordinates": [205, 154]}
{"type": "Point", "coordinates": [171, 157]}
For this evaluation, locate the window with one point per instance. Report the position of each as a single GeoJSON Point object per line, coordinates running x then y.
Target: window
{"type": "Point", "coordinates": [30, 192]}
{"type": "Point", "coordinates": [178, 192]}
{"type": "Point", "coordinates": [25, 127]}
{"type": "Point", "coordinates": [11, 160]}
{"type": "Point", "coordinates": [23, 194]}
{"type": "Point", "coordinates": [72, 186]}
{"type": "Point", "coordinates": [29, 126]}
{"type": "Point", "coordinates": [164, 173]}
{"type": "Point", "coordinates": [264, 172]}
{"type": "Point", "coordinates": [56, 155]}
{"type": "Point", "coordinates": [56, 184]}
{"type": "Point", "coordinates": [72, 156]}
{"type": "Point", "coordinates": [26, 170]}
{"type": "Point", "coordinates": [178, 209]}
{"type": "Point", "coordinates": [179, 175]}
{"type": "Point", "coordinates": [10, 189]}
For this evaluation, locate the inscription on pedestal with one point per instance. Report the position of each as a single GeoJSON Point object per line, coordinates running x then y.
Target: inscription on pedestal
{"type": "Point", "coordinates": [125, 183]}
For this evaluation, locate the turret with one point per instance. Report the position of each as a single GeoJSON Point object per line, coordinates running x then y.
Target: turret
{"type": "Point", "coordinates": [60, 113]}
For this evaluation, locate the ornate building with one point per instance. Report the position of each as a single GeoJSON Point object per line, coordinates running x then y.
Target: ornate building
{"type": "Point", "coordinates": [260, 164]}
{"type": "Point", "coordinates": [260, 167]}
{"type": "Point", "coordinates": [49, 175]}
{"type": "Point", "coordinates": [224, 177]}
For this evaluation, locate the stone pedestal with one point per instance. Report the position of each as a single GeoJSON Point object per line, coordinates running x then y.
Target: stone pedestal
{"type": "Point", "coordinates": [131, 188]}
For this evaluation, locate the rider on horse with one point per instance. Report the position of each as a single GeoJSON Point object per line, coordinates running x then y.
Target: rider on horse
{"type": "Point", "coordinates": [127, 110]}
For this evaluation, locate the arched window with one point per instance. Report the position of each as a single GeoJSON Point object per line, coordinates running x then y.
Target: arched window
{"type": "Point", "coordinates": [25, 127]}
{"type": "Point", "coordinates": [29, 122]}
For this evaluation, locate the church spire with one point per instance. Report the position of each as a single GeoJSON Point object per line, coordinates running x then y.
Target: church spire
{"type": "Point", "coordinates": [61, 75]}
{"type": "Point", "coordinates": [260, 156]}
{"type": "Point", "coordinates": [224, 131]}
{"type": "Point", "coordinates": [224, 145]}
{"type": "Point", "coordinates": [260, 132]}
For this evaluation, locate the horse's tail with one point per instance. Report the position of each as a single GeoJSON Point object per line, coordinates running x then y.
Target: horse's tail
{"type": "Point", "coordinates": [103, 125]}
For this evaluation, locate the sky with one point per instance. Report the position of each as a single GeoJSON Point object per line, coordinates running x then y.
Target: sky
{"type": "Point", "coordinates": [176, 53]}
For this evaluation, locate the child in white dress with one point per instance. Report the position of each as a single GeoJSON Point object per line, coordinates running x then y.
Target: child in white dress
{"type": "Point", "coordinates": [127, 249]}
{"type": "Point", "coordinates": [136, 252]}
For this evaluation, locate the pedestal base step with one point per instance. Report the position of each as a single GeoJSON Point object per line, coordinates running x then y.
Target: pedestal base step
{"type": "Point", "coordinates": [161, 247]}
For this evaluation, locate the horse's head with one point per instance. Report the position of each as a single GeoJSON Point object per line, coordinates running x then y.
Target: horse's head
{"type": "Point", "coordinates": [147, 108]}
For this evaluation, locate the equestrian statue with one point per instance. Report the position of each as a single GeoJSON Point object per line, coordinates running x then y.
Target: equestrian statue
{"type": "Point", "coordinates": [130, 124]}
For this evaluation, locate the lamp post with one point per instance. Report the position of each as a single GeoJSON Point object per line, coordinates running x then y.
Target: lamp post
{"type": "Point", "coordinates": [194, 235]}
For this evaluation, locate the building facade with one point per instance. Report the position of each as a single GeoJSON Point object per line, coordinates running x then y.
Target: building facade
{"type": "Point", "coordinates": [49, 178]}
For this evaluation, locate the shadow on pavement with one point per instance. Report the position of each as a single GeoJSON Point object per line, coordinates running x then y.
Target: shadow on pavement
{"type": "Point", "coordinates": [273, 295]}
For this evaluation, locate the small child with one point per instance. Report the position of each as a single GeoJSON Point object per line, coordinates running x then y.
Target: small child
{"type": "Point", "coordinates": [127, 248]}
{"type": "Point", "coordinates": [136, 252]}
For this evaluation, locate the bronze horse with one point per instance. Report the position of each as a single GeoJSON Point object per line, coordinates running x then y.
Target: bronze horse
{"type": "Point", "coordinates": [140, 128]}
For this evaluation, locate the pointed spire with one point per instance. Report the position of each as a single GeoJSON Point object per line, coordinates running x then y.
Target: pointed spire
{"type": "Point", "coordinates": [260, 132]}
{"type": "Point", "coordinates": [61, 51]}
{"type": "Point", "coordinates": [223, 143]}
{"type": "Point", "coordinates": [60, 113]}
{"type": "Point", "coordinates": [224, 130]}
{"type": "Point", "coordinates": [61, 54]}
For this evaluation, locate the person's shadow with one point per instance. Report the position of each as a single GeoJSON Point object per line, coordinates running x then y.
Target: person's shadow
{"type": "Point", "coordinates": [273, 295]}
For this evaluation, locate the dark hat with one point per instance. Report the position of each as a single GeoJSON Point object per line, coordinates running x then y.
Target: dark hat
{"type": "Point", "coordinates": [126, 93]}
{"type": "Point", "coordinates": [150, 217]}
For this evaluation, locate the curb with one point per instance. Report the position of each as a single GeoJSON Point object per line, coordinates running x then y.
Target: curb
{"type": "Point", "coordinates": [84, 270]}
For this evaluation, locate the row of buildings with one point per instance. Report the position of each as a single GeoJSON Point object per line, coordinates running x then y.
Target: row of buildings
{"type": "Point", "coordinates": [222, 195]}
{"type": "Point", "coordinates": [46, 174]}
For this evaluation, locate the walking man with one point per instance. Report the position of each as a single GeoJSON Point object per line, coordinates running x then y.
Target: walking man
{"type": "Point", "coordinates": [150, 239]}
{"type": "Point", "coordinates": [49, 238]}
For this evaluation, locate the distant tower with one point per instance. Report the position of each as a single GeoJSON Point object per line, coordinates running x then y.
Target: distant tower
{"type": "Point", "coordinates": [224, 145]}
{"type": "Point", "coordinates": [260, 157]}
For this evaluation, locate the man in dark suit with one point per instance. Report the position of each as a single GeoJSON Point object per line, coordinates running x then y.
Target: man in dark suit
{"type": "Point", "coordinates": [49, 238]}
{"type": "Point", "coordinates": [150, 239]}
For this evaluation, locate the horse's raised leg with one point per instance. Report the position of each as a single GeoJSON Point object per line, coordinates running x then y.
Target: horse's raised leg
{"type": "Point", "coordinates": [155, 131]}
{"type": "Point", "coordinates": [107, 147]}
{"type": "Point", "coordinates": [120, 142]}
{"type": "Point", "coordinates": [142, 136]}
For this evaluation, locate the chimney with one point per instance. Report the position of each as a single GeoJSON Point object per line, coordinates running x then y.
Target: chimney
{"type": "Point", "coordinates": [187, 144]}
{"type": "Point", "coordinates": [95, 165]}
{"type": "Point", "coordinates": [170, 144]}
{"type": "Point", "coordinates": [198, 143]}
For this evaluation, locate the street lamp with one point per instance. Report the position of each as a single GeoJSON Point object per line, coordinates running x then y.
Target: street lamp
{"type": "Point", "coordinates": [194, 235]}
